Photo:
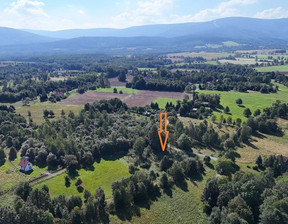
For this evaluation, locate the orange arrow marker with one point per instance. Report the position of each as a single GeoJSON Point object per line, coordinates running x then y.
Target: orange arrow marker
{"type": "Point", "coordinates": [163, 145]}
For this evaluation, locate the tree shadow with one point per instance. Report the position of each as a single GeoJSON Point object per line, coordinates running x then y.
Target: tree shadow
{"type": "Point", "coordinates": [73, 175]}
{"type": "Point", "coordinates": [259, 135]}
{"type": "Point", "coordinates": [125, 214]}
{"type": "Point", "coordinates": [41, 165]}
{"type": "Point", "coordinates": [240, 105]}
{"type": "Point", "coordinates": [168, 192]}
{"type": "Point", "coordinates": [90, 168]}
{"type": "Point", "coordinates": [210, 165]}
{"type": "Point", "coordinates": [248, 143]}
{"type": "Point", "coordinates": [113, 157]}
{"type": "Point", "coordinates": [27, 173]}
{"type": "Point", "coordinates": [182, 185]}
{"type": "Point", "coordinates": [196, 177]}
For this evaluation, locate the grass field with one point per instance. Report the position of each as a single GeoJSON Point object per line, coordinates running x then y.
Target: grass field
{"type": "Point", "coordinates": [239, 61]}
{"type": "Point", "coordinates": [58, 78]}
{"type": "Point", "coordinates": [203, 54]}
{"type": "Point", "coordinates": [252, 101]}
{"type": "Point", "coordinates": [124, 90]}
{"type": "Point", "coordinates": [103, 175]}
{"type": "Point", "coordinates": [37, 110]}
{"type": "Point", "coordinates": [211, 62]}
{"type": "Point", "coordinates": [162, 101]}
{"type": "Point", "coordinates": [147, 69]}
{"type": "Point", "coordinates": [280, 68]}
{"type": "Point", "coordinates": [10, 175]}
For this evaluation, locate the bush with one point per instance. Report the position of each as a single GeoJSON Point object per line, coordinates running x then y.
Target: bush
{"type": "Point", "coordinates": [67, 181]}
{"type": "Point", "coordinates": [225, 167]}
{"type": "Point", "coordinates": [2, 156]}
{"type": "Point", "coordinates": [239, 101]}
{"type": "Point", "coordinates": [184, 142]}
{"type": "Point", "coordinates": [78, 182]}
{"type": "Point", "coordinates": [132, 169]}
{"type": "Point", "coordinates": [12, 154]}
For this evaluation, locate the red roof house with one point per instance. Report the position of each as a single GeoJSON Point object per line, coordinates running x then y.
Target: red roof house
{"type": "Point", "coordinates": [25, 165]}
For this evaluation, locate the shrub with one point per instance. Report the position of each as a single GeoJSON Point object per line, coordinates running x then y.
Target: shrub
{"type": "Point", "coordinates": [78, 182]}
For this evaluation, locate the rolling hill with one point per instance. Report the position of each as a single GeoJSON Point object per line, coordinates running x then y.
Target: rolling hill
{"type": "Point", "coordinates": [9, 36]}
{"type": "Point", "coordinates": [247, 33]}
{"type": "Point", "coordinates": [234, 27]}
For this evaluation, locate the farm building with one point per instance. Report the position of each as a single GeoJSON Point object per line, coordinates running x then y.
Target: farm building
{"type": "Point", "coordinates": [25, 165]}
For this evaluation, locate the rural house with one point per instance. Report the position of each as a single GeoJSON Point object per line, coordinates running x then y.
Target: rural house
{"type": "Point", "coordinates": [25, 165]}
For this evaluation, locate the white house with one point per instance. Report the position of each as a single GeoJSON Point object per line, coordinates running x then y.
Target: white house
{"type": "Point", "coordinates": [25, 165]}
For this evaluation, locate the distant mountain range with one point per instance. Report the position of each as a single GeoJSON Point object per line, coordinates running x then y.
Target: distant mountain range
{"type": "Point", "coordinates": [221, 34]}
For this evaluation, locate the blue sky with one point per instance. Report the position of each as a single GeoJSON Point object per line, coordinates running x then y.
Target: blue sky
{"type": "Point", "coordinates": [69, 14]}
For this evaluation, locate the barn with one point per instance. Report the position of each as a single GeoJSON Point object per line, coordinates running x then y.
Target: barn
{"type": "Point", "coordinates": [25, 165]}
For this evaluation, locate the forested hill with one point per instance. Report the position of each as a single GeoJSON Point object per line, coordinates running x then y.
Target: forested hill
{"type": "Point", "coordinates": [234, 27]}
{"type": "Point", "coordinates": [223, 34]}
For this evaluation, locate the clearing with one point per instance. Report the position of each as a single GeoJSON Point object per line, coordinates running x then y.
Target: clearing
{"type": "Point", "coordinates": [280, 68]}
{"type": "Point", "coordinates": [102, 175]}
{"type": "Point", "coordinates": [250, 100]}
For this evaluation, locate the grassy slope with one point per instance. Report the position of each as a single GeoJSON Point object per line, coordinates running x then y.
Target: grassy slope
{"type": "Point", "coordinates": [252, 101]}
{"type": "Point", "coordinates": [280, 68]}
{"type": "Point", "coordinates": [266, 145]}
{"type": "Point", "coordinates": [104, 174]}
{"type": "Point", "coordinates": [182, 207]}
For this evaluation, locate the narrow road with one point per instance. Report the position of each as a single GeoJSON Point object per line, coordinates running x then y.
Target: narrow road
{"type": "Point", "coordinates": [48, 175]}
{"type": "Point", "coordinates": [197, 154]}
{"type": "Point", "coordinates": [203, 155]}
{"type": "Point", "coordinates": [192, 153]}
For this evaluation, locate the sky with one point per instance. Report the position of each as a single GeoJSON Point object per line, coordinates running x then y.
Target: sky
{"type": "Point", "coordinates": [82, 14]}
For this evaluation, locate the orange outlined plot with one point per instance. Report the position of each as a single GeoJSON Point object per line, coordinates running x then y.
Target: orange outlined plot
{"type": "Point", "coordinates": [163, 145]}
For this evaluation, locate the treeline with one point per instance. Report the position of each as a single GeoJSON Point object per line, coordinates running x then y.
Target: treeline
{"type": "Point", "coordinates": [153, 84]}
{"type": "Point", "coordinates": [213, 77]}
{"type": "Point", "coordinates": [36, 206]}
{"type": "Point", "coordinates": [265, 122]}
{"type": "Point", "coordinates": [33, 88]}
{"type": "Point", "coordinates": [200, 107]}
{"type": "Point", "coordinates": [249, 198]}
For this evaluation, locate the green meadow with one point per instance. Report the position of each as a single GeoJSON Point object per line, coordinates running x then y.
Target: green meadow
{"type": "Point", "coordinates": [252, 101]}
{"type": "Point", "coordinates": [280, 68]}
{"type": "Point", "coordinates": [124, 90]}
{"type": "Point", "coordinates": [102, 175]}
{"type": "Point", "coordinates": [162, 101]}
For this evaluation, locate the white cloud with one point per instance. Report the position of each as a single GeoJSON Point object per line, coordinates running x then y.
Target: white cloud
{"type": "Point", "coordinates": [24, 13]}
{"type": "Point", "coordinates": [151, 11]}
{"type": "Point", "coordinates": [224, 9]}
{"type": "Point", "coordinates": [26, 7]}
{"type": "Point", "coordinates": [30, 14]}
{"type": "Point", "coordinates": [273, 13]}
